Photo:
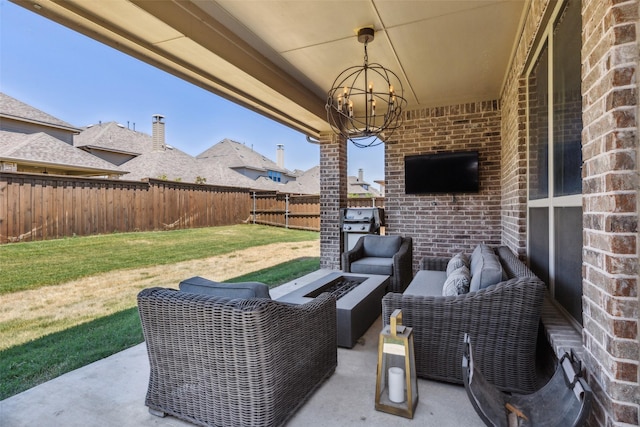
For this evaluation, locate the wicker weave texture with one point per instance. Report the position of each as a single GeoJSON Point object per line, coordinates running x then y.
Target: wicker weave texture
{"type": "Point", "coordinates": [230, 362]}
{"type": "Point", "coordinates": [434, 263]}
{"type": "Point", "coordinates": [502, 320]}
{"type": "Point", "coordinates": [402, 263]}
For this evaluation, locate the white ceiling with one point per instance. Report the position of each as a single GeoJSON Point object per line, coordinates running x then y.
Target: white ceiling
{"type": "Point", "coordinates": [280, 57]}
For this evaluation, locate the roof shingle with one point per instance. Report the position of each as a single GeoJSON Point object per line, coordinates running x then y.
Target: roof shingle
{"type": "Point", "coordinates": [11, 107]}
{"type": "Point", "coordinates": [46, 149]}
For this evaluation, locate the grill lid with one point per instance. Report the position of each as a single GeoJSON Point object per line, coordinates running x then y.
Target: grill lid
{"type": "Point", "coordinates": [359, 214]}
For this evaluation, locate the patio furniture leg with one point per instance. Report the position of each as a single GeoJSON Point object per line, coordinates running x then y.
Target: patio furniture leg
{"type": "Point", "coordinates": [157, 413]}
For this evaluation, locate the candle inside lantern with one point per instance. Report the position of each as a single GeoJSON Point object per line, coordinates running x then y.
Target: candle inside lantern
{"type": "Point", "coordinates": [340, 102]}
{"type": "Point", "coordinates": [350, 108]}
{"type": "Point", "coordinates": [396, 384]}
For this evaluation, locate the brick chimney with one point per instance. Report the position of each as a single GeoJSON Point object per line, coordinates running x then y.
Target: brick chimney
{"type": "Point", "coordinates": [360, 175]}
{"type": "Point", "coordinates": [158, 133]}
{"type": "Point", "coordinates": [280, 156]}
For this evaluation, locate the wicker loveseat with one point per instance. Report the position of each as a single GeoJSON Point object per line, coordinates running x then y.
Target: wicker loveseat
{"type": "Point", "coordinates": [217, 361]}
{"type": "Point", "coordinates": [501, 319]}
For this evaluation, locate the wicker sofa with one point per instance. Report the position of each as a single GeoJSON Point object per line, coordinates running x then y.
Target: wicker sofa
{"type": "Point", "coordinates": [217, 361]}
{"type": "Point", "coordinates": [501, 319]}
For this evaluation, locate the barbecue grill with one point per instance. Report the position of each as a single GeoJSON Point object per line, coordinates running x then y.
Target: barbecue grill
{"type": "Point", "coordinates": [356, 222]}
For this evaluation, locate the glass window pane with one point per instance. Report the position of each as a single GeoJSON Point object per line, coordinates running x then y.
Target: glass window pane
{"type": "Point", "coordinates": [539, 128]}
{"type": "Point", "coordinates": [568, 260]}
{"type": "Point", "coordinates": [567, 103]}
{"type": "Point", "coordinates": [539, 242]}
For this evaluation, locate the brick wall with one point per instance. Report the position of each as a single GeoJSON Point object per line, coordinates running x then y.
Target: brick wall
{"type": "Point", "coordinates": [514, 136]}
{"type": "Point", "coordinates": [610, 58]}
{"type": "Point", "coordinates": [441, 224]}
{"type": "Point", "coordinates": [514, 166]}
{"type": "Point", "coordinates": [444, 224]}
{"type": "Point", "coordinates": [333, 196]}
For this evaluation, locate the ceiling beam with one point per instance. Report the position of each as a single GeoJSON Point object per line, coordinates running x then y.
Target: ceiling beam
{"type": "Point", "coordinates": [273, 93]}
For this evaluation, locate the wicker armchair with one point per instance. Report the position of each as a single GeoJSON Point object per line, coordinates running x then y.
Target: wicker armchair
{"type": "Point", "coordinates": [502, 320]}
{"type": "Point", "coordinates": [234, 362]}
{"type": "Point", "coordinates": [386, 255]}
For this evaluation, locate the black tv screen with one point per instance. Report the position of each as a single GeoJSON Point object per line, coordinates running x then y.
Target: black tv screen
{"type": "Point", "coordinates": [451, 172]}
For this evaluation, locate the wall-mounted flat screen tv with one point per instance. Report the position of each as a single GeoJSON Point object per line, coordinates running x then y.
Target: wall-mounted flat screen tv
{"type": "Point", "coordinates": [450, 172]}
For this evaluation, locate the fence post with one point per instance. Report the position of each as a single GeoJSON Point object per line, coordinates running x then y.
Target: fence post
{"type": "Point", "coordinates": [286, 211]}
{"type": "Point", "coordinates": [254, 207]}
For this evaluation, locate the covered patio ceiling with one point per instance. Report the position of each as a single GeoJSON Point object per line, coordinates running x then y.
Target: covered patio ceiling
{"type": "Point", "coordinates": [279, 58]}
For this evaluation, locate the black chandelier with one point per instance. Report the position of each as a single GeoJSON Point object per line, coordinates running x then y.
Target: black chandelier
{"type": "Point", "coordinates": [364, 104]}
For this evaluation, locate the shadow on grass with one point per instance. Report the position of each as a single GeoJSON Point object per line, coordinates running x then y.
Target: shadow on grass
{"type": "Point", "coordinates": [27, 365]}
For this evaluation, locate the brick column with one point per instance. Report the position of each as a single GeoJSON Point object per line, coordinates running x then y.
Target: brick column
{"type": "Point", "coordinates": [333, 196]}
{"type": "Point", "coordinates": [513, 209]}
{"type": "Point", "coordinates": [610, 57]}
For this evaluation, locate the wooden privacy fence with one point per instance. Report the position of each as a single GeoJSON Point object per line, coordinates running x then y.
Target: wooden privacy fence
{"type": "Point", "coordinates": [285, 210]}
{"type": "Point", "coordinates": [41, 207]}
{"type": "Point", "coordinates": [297, 211]}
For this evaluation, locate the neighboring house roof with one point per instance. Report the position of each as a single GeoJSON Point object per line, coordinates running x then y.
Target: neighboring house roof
{"type": "Point", "coordinates": [112, 136]}
{"type": "Point", "coordinates": [18, 110]}
{"type": "Point", "coordinates": [236, 155]}
{"type": "Point", "coordinates": [361, 188]}
{"type": "Point", "coordinates": [43, 149]}
{"type": "Point", "coordinates": [307, 182]}
{"type": "Point", "coordinates": [115, 149]}
{"type": "Point", "coordinates": [216, 173]}
{"type": "Point", "coordinates": [220, 162]}
{"type": "Point", "coordinates": [171, 164]}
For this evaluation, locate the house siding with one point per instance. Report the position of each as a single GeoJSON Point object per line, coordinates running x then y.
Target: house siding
{"type": "Point", "coordinates": [19, 126]}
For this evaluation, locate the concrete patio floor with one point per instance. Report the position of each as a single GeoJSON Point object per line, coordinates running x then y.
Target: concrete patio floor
{"type": "Point", "coordinates": [111, 392]}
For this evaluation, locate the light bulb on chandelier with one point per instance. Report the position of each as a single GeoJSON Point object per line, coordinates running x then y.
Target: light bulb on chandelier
{"type": "Point", "coordinates": [363, 104]}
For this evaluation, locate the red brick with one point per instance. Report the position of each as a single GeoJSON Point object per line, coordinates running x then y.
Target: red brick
{"type": "Point", "coordinates": [624, 118]}
{"type": "Point", "coordinates": [624, 34]}
{"type": "Point", "coordinates": [623, 76]}
{"type": "Point", "coordinates": [625, 329]}
{"type": "Point", "coordinates": [627, 12]}
{"type": "Point", "coordinates": [627, 414]}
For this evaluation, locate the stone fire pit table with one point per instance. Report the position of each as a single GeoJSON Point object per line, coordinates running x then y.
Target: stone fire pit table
{"type": "Point", "coordinates": [359, 301]}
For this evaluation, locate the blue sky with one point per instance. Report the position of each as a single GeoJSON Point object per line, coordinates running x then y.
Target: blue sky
{"type": "Point", "coordinates": [82, 82]}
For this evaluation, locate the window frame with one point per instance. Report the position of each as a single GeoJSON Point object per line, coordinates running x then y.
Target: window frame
{"type": "Point", "coordinates": [551, 202]}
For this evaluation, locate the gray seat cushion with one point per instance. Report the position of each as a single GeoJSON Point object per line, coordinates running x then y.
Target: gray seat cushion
{"type": "Point", "coordinates": [476, 255]}
{"type": "Point", "coordinates": [245, 290]}
{"type": "Point", "coordinates": [373, 265]}
{"type": "Point", "coordinates": [427, 283]}
{"type": "Point", "coordinates": [381, 246]}
{"type": "Point", "coordinates": [486, 270]}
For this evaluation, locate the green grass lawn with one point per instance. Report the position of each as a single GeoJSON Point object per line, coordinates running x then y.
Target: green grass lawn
{"type": "Point", "coordinates": [27, 365]}
{"type": "Point", "coordinates": [31, 265]}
